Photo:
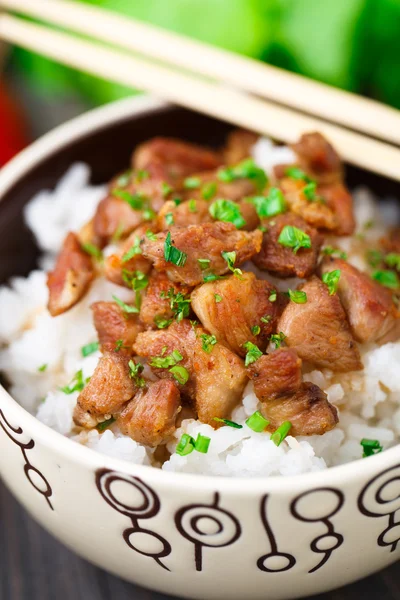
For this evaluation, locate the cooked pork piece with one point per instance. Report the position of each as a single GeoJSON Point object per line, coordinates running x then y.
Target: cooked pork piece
{"type": "Point", "coordinates": [129, 258]}
{"type": "Point", "coordinates": [278, 384]}
{"type": "Point", "coordinates": [318, 158]}
{"type": "Point", "coordinates": [210, 187]}
{"type": "Point", "coordinates": [178, 159]}
{"type": "Point", "coordinates": [114, 215]}
{"type": "Point", "coordinates": [284, 261]}
{"type": "Point", "coordinates": [159, 294]}
{"type": "Point", "coordinates": [163, 349]}
{"type": "Point", "coordinates": [71, 277]}
{"type": "Point", "coordinates": [239, 145]}
{"type": "Point", "coordinates": [370, 309]}
{"type": "Point", "coordinates": [318, 330]}
{"type": "Point", "coordinates": [237, 310]}
{"type": "Point", "coordinates": [149, 418]}
{"type": "Point", "coordinates": [314, 212]}
{"type": "Point", "coordinates": [220, 381]}
{"type": "Point", "coordinates": [84, 419]}
{"type": "Point", "coordinates": [201, 242]}
{"type": "Point", "coordinates": [391, 242]}
{"type": "Point", "coordinates": [116, 329]}
{"type": "Point", "coordinates": [110, 386]}
{"type": "Point", "coordinates": [190, 212]}
{"type": "Point", "coordinates": [339, 200]}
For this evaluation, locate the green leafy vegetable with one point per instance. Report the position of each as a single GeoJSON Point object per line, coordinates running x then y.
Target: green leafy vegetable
{"type": "Point", "coordinates": [172, 254]}
{"type": "Point", "coordinates": [393, 260]}
{"type": "Point", "coordinates": [161, 322]}
{"type": "Point", "coordinates": [331, 251]}
{"type": "Point", "coordinates": [292, 237]}
{"type": "Point", "coordinates": [180, 373]}
{"type": "Point", "coordinates": [169, 219]}
{"type": "Point", "coordinates": [255, 330]}
{"type": "Point", "coordinates": [77, 384]}
{"type": "Point", "coordinates": [128, 308]}
{"type": "Point", "coordinates": [297, 296]}
{"type": "Point", "coordinates": [297, 173]}
{"type": "Point", "coordinates": [124, 178]}
{"type": "Point", "coordinates": [166, 189]}
{"type": "Point", "coordinates": [192, 206]}
{"type": "Point", "coordinates": [228, 212]}
{"type": "Point", "coordinates": [164, 362]}
{"type": "Point", "coordinates": [105, 424]}
{"type": "Point", "coordinates": [209, 190]}
{"type": "Point", "coordinates": [230, 258]}
{"type": "Point", "coordinates": [133, 250]}
{"type": "Point", "coordinates": [266, 319]}
{"type": "Point", "coordinates": [370, 447]}
{"type": "Point", "coordinates": [247, 169]}
{"type": "Point", "coordinates": [43, 368]}
{"type": "Point", "coordinates": [90, 349]}
{"type": "Point", "coordinates": [151, 236]}
{"type": "Point", "coordinates": [135, 370]}
{"type": "Point", "coordinates": [141, 175]}
{"type": "Point", "coordinates": [179, 303]}
{"type": "Point", "coordinates": [273, 296]}
{"type": "Point", "coordinates": [271, 205]}
{"type": "Point", "coordinates": [204, 263]}
{"type": "Point", "coordinates": [92, 250]}
{"type": "Point", "coordinates": [192, 183]}
{"type": "Point", "coordinates": [331, 279]}
{"type": "Point", "coordinates": [208, 342]}
{"type": "Point", "coordinates": [135, 201]}
{"type": "Point", "coordinates": [253, 353]}
{"type": "Point", "coordinates": [389, 279]}
{"type": "Point", "coordinates": [277, 339]}
{"type": "Point", "coordinates": [218, 298]}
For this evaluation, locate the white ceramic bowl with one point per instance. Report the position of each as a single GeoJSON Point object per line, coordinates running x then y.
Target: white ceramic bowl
{"type": "Point", "coordinates": [193, 536]}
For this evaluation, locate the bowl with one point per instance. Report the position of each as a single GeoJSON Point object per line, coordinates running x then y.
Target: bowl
{"type": "Point", "coordinates": [189, 535]}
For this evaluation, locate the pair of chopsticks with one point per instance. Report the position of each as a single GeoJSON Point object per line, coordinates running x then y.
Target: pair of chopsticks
{"type": "Point", "coordinates": [221, 84]}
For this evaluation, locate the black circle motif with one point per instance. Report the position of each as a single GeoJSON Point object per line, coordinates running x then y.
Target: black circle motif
{"type": "Point", "coordinates": [223, 527]}
{"type": "Point", "coordinates": [330, 541]}
{"type": "Point", "coordinates": [148, 507]}
{"type": "Point", "coordinates": [380, 497]}
{"type": "Point", "coordinates": [13, 432]}
{"type": "Point", "coordinates": [275, 561]}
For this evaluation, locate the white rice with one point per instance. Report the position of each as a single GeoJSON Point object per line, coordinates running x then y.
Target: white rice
{"type": "Point", "coordinates": [368, 401]}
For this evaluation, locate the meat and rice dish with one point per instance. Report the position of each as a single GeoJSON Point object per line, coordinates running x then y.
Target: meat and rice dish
{"type": "Point", "coordinates": [230, 312]}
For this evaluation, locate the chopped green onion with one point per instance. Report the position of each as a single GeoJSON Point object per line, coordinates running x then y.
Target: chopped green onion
{"type": "Point", "coordinates": [92, 250]}
{"type": "Point", "coordinates": [43, 368]}
{"type": "Point", "coordinates": [164, 362]}
{"type": "Point", "coordinates": [124, 178]}
{"type": "Point", "coordinates": [331, 279]}
{"type": "Point", "coordinates": [271, 205]}
{"type": "Point", "coordinates": [297, 173]}
{"type": "Point", "coordinates": [253, 353]}
{"type": "Point", "coordinates": [166, 189]}
{"type": "Point", "coordinates": [118, 233]}
{"type": "Point", "coordinates": [135, 369]}
{"type": "Point", "coordinates": [255, 330]}
{"type": "Point", "coordinates": [89, 349]}
{"type": "Point", "coordinates": [105, 424]}
{"type": "Point", "coordinates": [292, 237]}
{"type": "Point", "coordinates": [135, 201]}
{"type": "Point", "coordinates": [208, 342]}
{"type": "Point", "coordinates": [191, 183]}
{"type": "Point", "coordinates": [393, 260]}
{"type": "Point", "coordinates": [179, 303]}
{"type": "Point", "coordinates": [209, 190]}
{"type": "Point", "coordinates": [266, 319]}
{"type": "Point", "coordinates": [277, 339]}
{"type": "Point", "coordinates": [331, 251]}
{"type": "Point", "coordinates": [133, 250]}
{"type": "Point", "coordinates": [192, 206]}
{"type": "Point", "coordinates": [247, 169]}
{"type": "Point", "coordinates": [257, 422]}
{"type": "Point", "coordinates": [128, 308]}
{"type": "Point", "coordinates": [204, 263]}
{"type": "Point", "coordinates": [310, 190]}
{"type": "Point", "coordinates": [169, 219]}
{"type": "Point", "coordinates": [211, 277]}
{"type": "Point", "coordinates": [279, 435]}
{"type": "Point", "coordinates": [172, 254]}
{"type": "Point", "coordinates": [228, 423]}
{"type": "Point", "coordinates": [272, 296]}
{"type": "Point", "coordinates": [227, 211]}
{"type": "Point", "coordinates": [149, 214]}
{"type": "Point", "coordinates": [230, 258]}
{"type": "Point", "coordinates": [387, 278]}
{"type": "Point", "coordinates": [370, 447]}
{"type": "Point", "coordinates": [202, 443]}
{"type": "Point", "coordinates": [180, 373]}
{"type": "Point", "coordinates": [141, 175]}
{"type": "Point", "coordinates": [185, 445]}
{"type": "Point", "coordinates": [118, 345]}
{"type": "Point", "coordinates": [218, 298]}
{"type": "Point", "coordinates": [77, 384]}
{"type": "Point", "coordinates": [151, 236]}
{"type": "Point", "coordinates": [177, 201]}
{"type": "Point", "coordinates": [161, 322]}
{"type": "Point", "coordinates": [297, 296]}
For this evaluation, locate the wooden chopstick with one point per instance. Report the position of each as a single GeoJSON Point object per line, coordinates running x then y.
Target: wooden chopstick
{"type": "Point", "coordinates": [244, 73]}
{"type": "Point", "coordinates": [187, 90]}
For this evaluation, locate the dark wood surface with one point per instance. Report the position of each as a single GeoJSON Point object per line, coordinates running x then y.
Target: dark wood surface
{"type": "Point", "coordinates": [34, 566]}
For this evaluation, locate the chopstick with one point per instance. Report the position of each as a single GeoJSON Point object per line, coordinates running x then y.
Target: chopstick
{"type": "Point", "coordinates": [189, 91]}
{"type": "Point", "coordinates": [244, 73]}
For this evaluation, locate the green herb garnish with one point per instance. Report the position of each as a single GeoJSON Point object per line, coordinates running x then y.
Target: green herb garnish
{"type": "Point", "coordinates": [331, 251]}
{"type": "Point", "coordinates": [43, 368]}
{"type": "Point", "coordinates": [166, 189]}
{"type": "Point", "coordinates": [266, 319]}
{"type": "Point", "coordinates": [135, 201]}
{"type": "Point", "coordinates": [151, 236]}
{"type": "Point", "coordinates": [297, 173]}
{"type": "Point", "coordinates": [191, 183]}
{"type": "Point", "coordinates": [370, 447]}
{"type": "Point", "coordinates": [257, 422]}
{"type": "Point", "coordinates": [228, 423]}
{"type": "Point", "coordinates": [164, 362]}
{"type": "Point", "coordinates": [387, 278]}
{"type": "Point", "coordinates": [255, 330]}
{"type": "Point", "coordinates": [271, 205]}
{"type": "Point", "coordinates": [172, 254]}
{"type": "Point", "coordinates": [208, 342]}
{"type": "Point", "coordinates": [253, 353]}
{"type": "Point", "coordinates": [133, 250]}
{"type": "Point", "coordinates": [331, 279]}
{"type": "Point", "coordinates": [218, 298]}
{"type": "Point", "coordinates": [292, 237]}
{"type": "Point", "coordinates": [277, 339]}
{"type": "Point", "coordinates": [192, 206]}
{"type": "Point", "coordinates": [244, 170]}
{"type": "Point", "coordinates": [128, 308]}
{"type": "Point", "coordinates": [393, 260]}
{"type": "Point", "coordinates": [202, 443]}
{"type": "Point", "coordinates": [204, 263]}
{"type": "Point", "coordinates": [105, 424]}
{"type": "Point", "coordinates": [90, 349]}
{"type": "Point", "coordinates": [279, 435]}
{"type": "Point", "coordinates": [124, 178]}
{"type": "Point", "coordinates": [185, 445]}
{"type": "Point", "coordinates": [92, 250]}
{"type": "Point", "coordinates": [228, 212]}
{"type": "Point", "coordinates": [77, 384]}
{"type": "Point", "coordinates": [273, 296]}
{"type": "Point", "coordinates": [161, 322]}
{"type": "Point", "coordinates": [209, 190]}
{"type": "Point", "coordinates": [297, 296]}
{"type": "Point", "coordinates": [169, 219]}
{"type": "Point", "coordinates": [180, 373]}
{"type": "Point", "coordinates": [135, 369]}
{"type": "Point", "coordinates": [179, 303]}
{"type": "Point", "coordinates": [230, 258]}
{"type": "Point", "coordinates": [141, 175]}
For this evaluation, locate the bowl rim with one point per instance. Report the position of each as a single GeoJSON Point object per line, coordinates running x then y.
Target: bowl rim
{"type": "Point", "coordinates": [69, 132]}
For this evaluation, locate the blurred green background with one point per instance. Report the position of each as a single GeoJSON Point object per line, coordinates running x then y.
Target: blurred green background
{"type": "Point", "coordinates": [351, 44]}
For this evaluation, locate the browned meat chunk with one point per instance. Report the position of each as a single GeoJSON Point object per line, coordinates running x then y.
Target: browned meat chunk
{"type": "Point", "coordinates": [391, 242]}
{"type": "Point", "coordinates": [237, 311]}
{"type": "Point", "coordinates": [149, 418]}
{"type": "Point", "coordinates": [278, 384]}
{"type": "Point", "coordinates": [178, 159]}
{"type": "Point", "coordinates": [315, 213]}
{"type": "Point", "coordinates": [156, 304]}
{"type": "Point", "coordinates": [220, 381]}
{"type": "Point", "coordinates": [204, 242]}
{"type": "Point", "coordinates": [115, 215]}
{"type": "Point", "coordinates": [276, 375]}
{"type": "Point", "coordinates": [116, 330]}
{"type": "Point", "coordinates": [318, 330]}
{"type": "Point", "coordinates": [318, 158]}
{"type": "Point", "coordinates": [71, 277]}
{"type": "Point", "coordinates": [84, 419]}
{"type": "Point", "coordinates": [239, 145]}
{"type": "Point", "coordinates": [110, 386]}
{"type": "Point", "coordinates": [211, 187]}
{"type": "Point", "coordinates": [191, 212]}
{"type": "Point", "coordinates": [124, 262]}
{"type": "Point", "coordinates": [179, 337]}
{"type": "Point", "coordinates": [370, 309]}
{"type": "Point", "coordinates": [339, 200]}
{"type": "Point", "coordinates": [283, 261]}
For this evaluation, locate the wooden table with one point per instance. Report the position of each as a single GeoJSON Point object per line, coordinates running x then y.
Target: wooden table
{"type": "Point", "coordinates": [34, 566]}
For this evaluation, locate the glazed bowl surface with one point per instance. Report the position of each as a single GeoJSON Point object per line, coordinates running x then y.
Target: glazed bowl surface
{"type": "Point", "coordinates": [189, 535]}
